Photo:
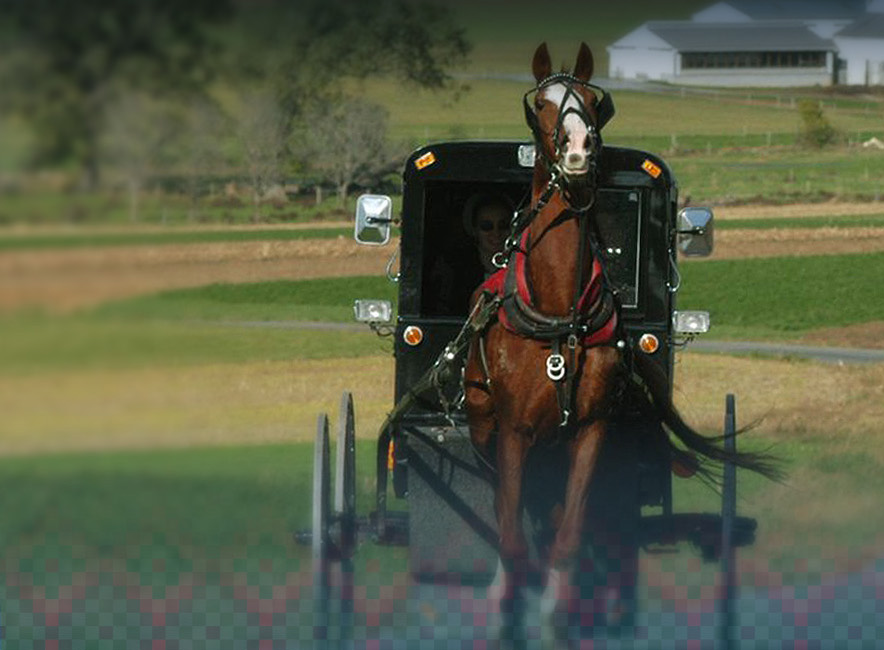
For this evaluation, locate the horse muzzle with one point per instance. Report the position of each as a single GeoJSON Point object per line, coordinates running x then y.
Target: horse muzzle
{"type": "Point", "coordinates": [575, 164]}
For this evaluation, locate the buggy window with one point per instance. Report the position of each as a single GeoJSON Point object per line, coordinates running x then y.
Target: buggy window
{"type": "Point", "coordinates": [619, 231]}
{"type": "Point", "coordinates": [451, 266]}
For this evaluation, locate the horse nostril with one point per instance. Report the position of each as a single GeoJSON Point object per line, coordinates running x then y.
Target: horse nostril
{"type": "Point", "coordinates": [575, 159]}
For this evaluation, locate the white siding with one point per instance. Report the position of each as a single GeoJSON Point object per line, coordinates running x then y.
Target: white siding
{"type": "Point", "coordinates": [641, 54]}
{"type": "Point", "coordinates": [865, 59]}
{"type": "Point", "coordinates": [760, 77]}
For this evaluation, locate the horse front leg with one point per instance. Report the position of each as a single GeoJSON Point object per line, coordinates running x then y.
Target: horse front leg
{"type": "Point", "coordinates": [506, 593]}
{"type": "Point", "coordinates": [561, 595]}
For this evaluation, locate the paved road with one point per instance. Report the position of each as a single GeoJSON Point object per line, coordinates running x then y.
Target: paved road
{"type": "Point", "coordinates": [826, 354]}
{"type": "Point", "coordinates": [815, 353]}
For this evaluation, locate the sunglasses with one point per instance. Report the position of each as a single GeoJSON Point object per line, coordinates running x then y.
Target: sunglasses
{"type": "Point", "coordinates": [488, 226]}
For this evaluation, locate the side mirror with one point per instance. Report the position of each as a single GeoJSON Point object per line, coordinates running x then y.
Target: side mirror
{"type": "Point", "coordinates": [695, 232]}
{"type": "Point", "coordinates": [374, 214]}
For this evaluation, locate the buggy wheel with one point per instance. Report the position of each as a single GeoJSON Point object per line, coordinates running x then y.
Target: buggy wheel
{"type": "Point", "coordinates": [321, 542]}
{"type": "Point", "coordinates": [345, 508]}
{"type": "Point", "coordinates": [345, 476]}
{"type": "Point", "coordinates": [727, 592]}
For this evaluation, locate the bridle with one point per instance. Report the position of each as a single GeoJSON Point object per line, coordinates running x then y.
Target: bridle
{"type": "Point", "coordinates": [604, 109]}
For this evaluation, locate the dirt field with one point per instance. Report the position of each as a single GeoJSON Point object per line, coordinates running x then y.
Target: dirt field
{"type": "Point", "coordinates": [68, 279]}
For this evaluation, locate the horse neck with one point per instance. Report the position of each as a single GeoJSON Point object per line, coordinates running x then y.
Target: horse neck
{"type": "Point", "coordinates": [554, 255]}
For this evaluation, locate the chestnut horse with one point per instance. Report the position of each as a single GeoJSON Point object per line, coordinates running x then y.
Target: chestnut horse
{"type": "Point", "coordinates": [550, 372]}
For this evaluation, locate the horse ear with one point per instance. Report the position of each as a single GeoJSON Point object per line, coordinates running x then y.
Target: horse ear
{"type": "Point", "coordinates": [585, 64]}
{"type": "Point", "coordinates": [541, 66]}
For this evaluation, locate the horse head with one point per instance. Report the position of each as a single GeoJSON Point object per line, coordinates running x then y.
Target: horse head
{"type": "Point", "coordinates": [566, 117]}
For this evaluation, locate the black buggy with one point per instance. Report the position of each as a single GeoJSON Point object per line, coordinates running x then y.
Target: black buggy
{"type": "Point", "coordinates": [424, 455]}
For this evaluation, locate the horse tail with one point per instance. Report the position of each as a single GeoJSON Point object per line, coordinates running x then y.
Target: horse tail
{"type": "Point", "coordinates": [656, 389]}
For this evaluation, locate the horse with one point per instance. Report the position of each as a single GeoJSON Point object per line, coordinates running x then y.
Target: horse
{"type": "Point", "coordinates": [550, 368]}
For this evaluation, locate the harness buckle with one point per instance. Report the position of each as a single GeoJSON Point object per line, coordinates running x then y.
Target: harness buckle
{"type": "Point", "coordinates": [555, 367]}
{"type": "Point", "coordinates": [499, 259]}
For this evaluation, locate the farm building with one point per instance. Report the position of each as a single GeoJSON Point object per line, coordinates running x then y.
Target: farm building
{"type": "Point", "coordinates": [861, 50]}
{"type": "Point", "coordinates": [758, 43]}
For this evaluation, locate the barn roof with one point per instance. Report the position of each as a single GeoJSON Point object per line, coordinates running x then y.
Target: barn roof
{"type": "Point", "coordinates": [688, 36]}
{"type": "Point", "coordinates": [869, 26]}
{"type": "Point", "coordinates": [799, 9]}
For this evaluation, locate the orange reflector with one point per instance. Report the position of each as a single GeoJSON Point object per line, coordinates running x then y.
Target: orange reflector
{"type": "Point", "coordinates": [413, 335]}
{"type": "Point", "coordinates": [648, 343]}
{"type": "Point", "coordinates": [653, 170]}
{"type": "Point", "coordinates": [390, 457]}
{"type": "Point", "coordinates": [426, 160]}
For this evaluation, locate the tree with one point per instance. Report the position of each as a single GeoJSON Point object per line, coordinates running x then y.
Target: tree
{"type": "Point", "coordinates": [139, 130]}
{"type": "Point", "coordinates": [67, 62]}
{"type": "Point", "coordinates": [816, 130]}
{"type": "Point", "coordinates": [261, 130]}
{"type": "Point", "coordinates": [346, 143]}
{"type": "Point", "coordinates": [304, 50]}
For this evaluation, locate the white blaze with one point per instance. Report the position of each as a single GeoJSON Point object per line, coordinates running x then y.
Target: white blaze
{"type": "Point", "coordinates": [574, 157]}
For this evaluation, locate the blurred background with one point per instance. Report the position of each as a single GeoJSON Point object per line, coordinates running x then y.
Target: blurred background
{"type": "Point", "coordinates": [177, 183]}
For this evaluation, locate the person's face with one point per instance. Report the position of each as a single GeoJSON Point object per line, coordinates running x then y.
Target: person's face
{"type": "Point", "coordinates": [492, 228]}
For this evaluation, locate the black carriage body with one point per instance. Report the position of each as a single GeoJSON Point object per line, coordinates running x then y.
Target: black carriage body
{"type": "Point", "coordinates": [635, 212]}
{"type": "Point", "coordinates": [451, 523]}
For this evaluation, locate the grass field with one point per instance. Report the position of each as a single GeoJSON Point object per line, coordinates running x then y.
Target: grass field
{"type": "Point", "coordinates": [784, 297]}
{"type": "Point", "coordinates": [183, 532]}
{"type": "Point", "coordinates": [185, 327]}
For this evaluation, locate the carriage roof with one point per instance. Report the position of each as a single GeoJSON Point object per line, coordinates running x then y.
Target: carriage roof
{"type": "Point", "coordinates": [513, 161]}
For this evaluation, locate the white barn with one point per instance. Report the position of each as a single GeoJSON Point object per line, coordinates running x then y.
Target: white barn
{"type": "Point", "coordinates": [737, 53]}
{"type": "Point", "coordinates": [759, 43]}
{"type": "Point", "coordinates": [861, 50]}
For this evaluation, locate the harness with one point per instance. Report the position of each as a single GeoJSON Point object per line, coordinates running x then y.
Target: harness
{"type": "Point", "coordinates": [592, 319]}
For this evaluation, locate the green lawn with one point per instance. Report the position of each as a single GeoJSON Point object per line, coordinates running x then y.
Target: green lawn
{"type": "Point", "coordinates": [204, 535]}
{"type": "Point", "coordinates": [110, 548]}
{"type": "Point", "coordinates": [206, 324]}
{"type": "Point", "coordinates": [787, 296]}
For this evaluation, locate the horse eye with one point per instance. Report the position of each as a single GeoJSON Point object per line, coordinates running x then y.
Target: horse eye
{"type": "Point", "coordinates": [539, 104]}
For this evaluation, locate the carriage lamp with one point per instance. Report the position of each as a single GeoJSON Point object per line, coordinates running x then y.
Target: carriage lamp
{"type": "Point", "coordinates": [690, 323]}
{"type": "Point", "coordinates": [648, 343]}
{"type": "Point", "coordinates": [373, 311]}
{"type": "Point", "coordinates": [526, 155]}
{"type": "Point", "coordinates": [413, 335]}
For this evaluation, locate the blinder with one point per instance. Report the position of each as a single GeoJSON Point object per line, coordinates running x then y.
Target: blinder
{"type": "Point", "coordinates": [604, 105]}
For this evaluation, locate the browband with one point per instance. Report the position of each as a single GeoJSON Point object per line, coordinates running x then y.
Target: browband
{"type": "Point", "coordinates": [604, 106]}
